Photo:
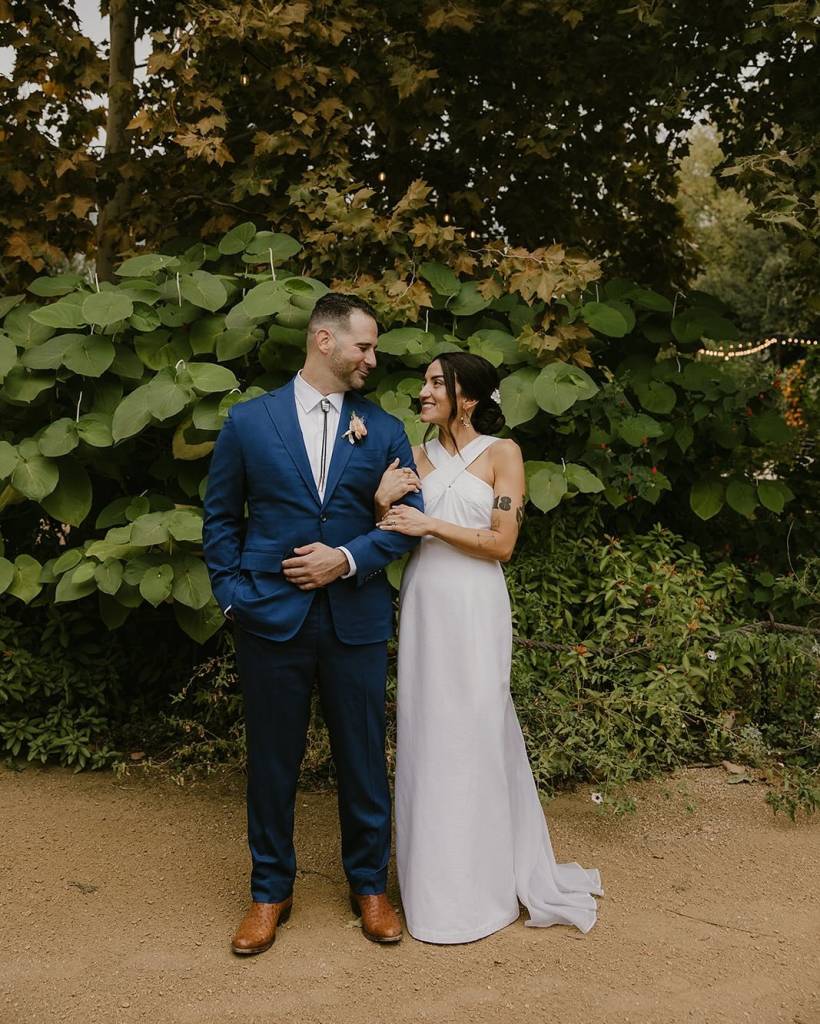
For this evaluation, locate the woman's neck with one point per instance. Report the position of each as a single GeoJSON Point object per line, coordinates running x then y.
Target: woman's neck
{"type": "Point", "coordinates": [456, 437]}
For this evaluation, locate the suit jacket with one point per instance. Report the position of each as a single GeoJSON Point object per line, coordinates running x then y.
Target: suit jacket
{"type": "Point", "coordinates": [260, 459]}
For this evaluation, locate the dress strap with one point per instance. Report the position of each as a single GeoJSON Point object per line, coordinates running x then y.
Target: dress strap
{"type": "Point", "coordinates": [460, 463]}
{"type": "Point", "coordinates": [436, 454]}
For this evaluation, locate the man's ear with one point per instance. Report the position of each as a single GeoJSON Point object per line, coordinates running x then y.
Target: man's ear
{"type": "Point", "coordinates": [324, 339]}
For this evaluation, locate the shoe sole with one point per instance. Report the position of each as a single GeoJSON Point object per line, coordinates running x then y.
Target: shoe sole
{"type": "Point", "coordinates": [283, 918]}
{"type": "Point", "coordinates": [381, 940]}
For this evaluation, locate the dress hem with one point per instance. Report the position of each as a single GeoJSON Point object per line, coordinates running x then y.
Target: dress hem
{"type": "Point", "coordinates": [471, 936]}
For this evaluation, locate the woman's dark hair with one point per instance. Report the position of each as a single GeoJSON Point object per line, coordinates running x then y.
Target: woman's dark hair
{"type": "Point", "coordinates": [478, 379]}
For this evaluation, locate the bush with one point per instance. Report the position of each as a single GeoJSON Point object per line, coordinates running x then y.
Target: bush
{"type": "Point", "coordinates": [71, 693]}
{"type": "Point", "coordinates": [631, 657]}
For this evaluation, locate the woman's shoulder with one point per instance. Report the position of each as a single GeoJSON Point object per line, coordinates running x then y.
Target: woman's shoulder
{"type": "Point", "coordinates": [505, 449]}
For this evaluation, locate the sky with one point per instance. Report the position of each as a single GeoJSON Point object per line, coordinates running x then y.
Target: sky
{"type": "Point", "coordinates": [92, 24]}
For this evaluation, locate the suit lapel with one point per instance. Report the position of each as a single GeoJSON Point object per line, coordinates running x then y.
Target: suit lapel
{"type": "Point", "coordinates": [342, 448]}
{"type": "Point", "coordinates": [281, 407]}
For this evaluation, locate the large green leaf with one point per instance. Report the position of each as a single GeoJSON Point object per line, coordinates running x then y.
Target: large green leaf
{"type": "Point", "coordinates": [24, 330]}
{"type": "Point", "coordinates": [655, 396]}
{"type": "Point", "coordinates": [272, 244]}
{"type": "Point", "coordinates": [60, 314]}
{"type": "Point", "coordinates": [35, 477]}
{"type": "Point", "coordinates": [6, 574]}
{"type": "Point", "coordinates": [208, 377]}
{"type": "Point", "coordinates": [8, 459]}
{"type": "Point", "coordinates": [69, 588]}
{"type": "Point", "coordinates": [582, 479]}
{"type": "Point", "coordinates": [185, 525]}
{"type": "Point", "coordinates": [70, 501]}
{"type": "Point", "coordinates": [161, 349]}
{"type": "Point", "coordinates": [547, 487]}
{"type": "Point", "coordinates": [237, 238]}
{"type": "Point", "coordinates": [633, 429]}
{"type": "Point", "coordinates": [560, 385]}
{"type": "Point", "coordinates": [109, 576]}
{"type": "Point", "coordinates": [232, 344]}
{"type": "Point", "coordinates": [25, 585]}
{"type": "Point", "coordinates": [204, 290]}
{"type": "Point", "coordinates": [89, 355]}
{"type": "Point", "coordinates": [404, 341]}
{"type": "Point", "coordinates": [469, 300]}
{"type": "Point", "coordinates": [143, 266]}
{"type": "Point", "coordinates": [645, 298]}
{"type": "Point", "coordinates": [517, 398]}
{"type": "Point", "coordinates": [150, 529]}
{"type": "Point", "coordinates": [49, 354]}
{"type": "Point", "coordinates": [104, 308]}
{"type": "Point", "coordinates": [8, 302]}
{"type": "Point", "coordinates": [773, 494]}
{"type": "Point", "coordinates": [706, 498]}
{"type": "Point", "coordinates": [192, 586]}
{"type": "Point", "coordinates": [164, 396]}
{"type": "Point", "coordinates": [131, 415]}
{"type": "Point", "coordinates": [8, 355]}
{"type": "Point", "coordinates": [199, 624]}
{"type": "Point", "coordinates": [605, 318]}
{"type": "Point", "coordinates": [24, 386]}
{"type": "Point", "coordinates": [156, 584]}
{"type": "Point", "coordinates": [95, 429]}
{"type": "Point", "coordinates": [112, 613]}
{"type": "Point", "coordinates": [740, 496]}
{"type": "Point", "coordinates": [443, 280]}
{"type": "Point", "coordinates": [59, 438]}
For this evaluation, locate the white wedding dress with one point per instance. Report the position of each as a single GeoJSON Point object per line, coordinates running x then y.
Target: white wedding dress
{"type": "Point", "coordinates": [471, 836]}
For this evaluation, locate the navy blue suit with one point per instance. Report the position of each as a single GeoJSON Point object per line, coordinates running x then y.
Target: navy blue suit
{"type": "Point", "coordinates": [287, 638]}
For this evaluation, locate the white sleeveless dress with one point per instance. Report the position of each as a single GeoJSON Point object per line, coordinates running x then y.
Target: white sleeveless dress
{"type": "Point", "coordinates": [471, 839]}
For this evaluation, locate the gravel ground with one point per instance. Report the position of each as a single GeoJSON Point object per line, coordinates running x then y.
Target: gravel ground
{"type": "Point", "coordinates": [119, 897]}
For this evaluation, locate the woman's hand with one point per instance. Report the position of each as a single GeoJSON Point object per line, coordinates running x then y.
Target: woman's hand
{"type": "Point", "coordinates": [396, 481]}
{"type": "Point", "coordinates": [407, 520]}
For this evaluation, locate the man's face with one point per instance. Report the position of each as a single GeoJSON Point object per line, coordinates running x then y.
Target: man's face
{"type": "Point", "coordinates": [353, 355]}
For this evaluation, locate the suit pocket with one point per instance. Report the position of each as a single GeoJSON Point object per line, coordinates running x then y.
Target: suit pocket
{"type": "Point", "coordinates": [261, 561]}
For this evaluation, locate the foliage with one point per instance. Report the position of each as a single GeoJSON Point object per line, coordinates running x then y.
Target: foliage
{"type": "Point", "coordinates": [630, 657]}
{"type": "Point", "coordinates": [752, 268]}
{"type": "Point", "coordinates": [113, 396]}
{"type": "Point", "coordinates": [72, 695]}
{"type": "Point", "coordinates": [537, 120]}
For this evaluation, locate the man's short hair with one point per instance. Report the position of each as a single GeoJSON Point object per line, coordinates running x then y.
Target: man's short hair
{"type": "Point", "coordinates": [335, 308]}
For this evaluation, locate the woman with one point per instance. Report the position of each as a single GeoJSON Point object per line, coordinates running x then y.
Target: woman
{"type": "Point", "coordinates": [471, 835]}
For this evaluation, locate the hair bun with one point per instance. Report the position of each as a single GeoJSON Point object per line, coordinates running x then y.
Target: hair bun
{"type": "Point", "coordinates": [488, 417]}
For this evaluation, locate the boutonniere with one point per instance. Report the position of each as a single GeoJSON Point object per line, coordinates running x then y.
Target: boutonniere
{"type": "Point", "coordinates": [357, 429]}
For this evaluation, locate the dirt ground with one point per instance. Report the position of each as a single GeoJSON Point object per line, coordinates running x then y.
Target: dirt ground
{"type": "Point", "coordinates": [118, 897]}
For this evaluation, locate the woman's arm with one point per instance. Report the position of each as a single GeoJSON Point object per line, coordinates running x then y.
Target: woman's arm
{"type": "Point", "coordinates": [498, 542]}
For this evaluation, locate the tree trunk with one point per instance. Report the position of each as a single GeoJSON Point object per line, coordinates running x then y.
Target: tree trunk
{"type": "Point", "coordinates": [112, 184]}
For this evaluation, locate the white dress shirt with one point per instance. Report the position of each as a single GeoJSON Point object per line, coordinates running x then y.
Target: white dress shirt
{"type": "Point", "coordinates": [311, 422]}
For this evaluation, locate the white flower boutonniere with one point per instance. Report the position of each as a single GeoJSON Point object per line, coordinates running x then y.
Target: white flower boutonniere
{"type": "Point", "coordinates": [357, 429]}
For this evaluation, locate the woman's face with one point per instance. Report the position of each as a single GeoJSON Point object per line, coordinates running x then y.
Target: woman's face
{"type": "Point", "coordinates": [435, 403]}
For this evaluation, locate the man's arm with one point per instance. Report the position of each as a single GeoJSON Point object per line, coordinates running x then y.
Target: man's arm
{"type": "Point", "coordinates": [374, 550]}
{"type": "Point", "coordinates": [224, 514]}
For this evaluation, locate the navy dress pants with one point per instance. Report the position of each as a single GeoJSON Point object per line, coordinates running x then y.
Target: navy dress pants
{"type": "Point", "coordinates": [277, 680]}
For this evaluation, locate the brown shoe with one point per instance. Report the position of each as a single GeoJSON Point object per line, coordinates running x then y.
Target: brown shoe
{"type": "Point", "coordinates": [380, 922]}
{"type": "Point", "coordinates": [258, 928]}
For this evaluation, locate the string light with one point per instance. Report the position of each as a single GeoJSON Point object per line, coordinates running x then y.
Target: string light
{"type": "Point", "coordinates": [244, 74]}
{"type": "Point", "coordinates": [382, 176]}
{"type": "Point", "coordinates": [733, 353]}
{"type": "Point", "coordinates": [446, 218]}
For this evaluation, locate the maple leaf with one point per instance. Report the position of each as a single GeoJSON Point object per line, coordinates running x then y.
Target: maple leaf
{"type": "Point", "coordinates": [81, 205]}
{"type": "Point", "coordinates": [491, 287]}
{"type": "Point", "coordinates": [414, 198]}
{"type": "Point", "coordinates": [458, 16]}
{"type": "Point", "coordinates": [142, 121]}
{"type": "Point", "coordinates": [19, 181]}
{"type": "Point", "coordinates": [408, 78]}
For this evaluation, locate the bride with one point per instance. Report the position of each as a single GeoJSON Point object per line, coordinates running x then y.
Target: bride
{"type": "Point", "coordinates": [471, 840]}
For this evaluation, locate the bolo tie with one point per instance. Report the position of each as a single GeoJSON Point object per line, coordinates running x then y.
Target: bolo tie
{"type": "Point", "coordinates": [325, 405]}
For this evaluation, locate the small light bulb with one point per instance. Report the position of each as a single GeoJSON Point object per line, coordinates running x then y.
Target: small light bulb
{"type": "Point", "coordinates": [446, 218]}
{"type": "Point", "coordinates": [244, 74]}
{"type": "Point", "coordinates": [382, 176]}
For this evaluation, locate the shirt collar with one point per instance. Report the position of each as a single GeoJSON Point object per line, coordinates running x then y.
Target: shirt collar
{"type": "Point", "coordinates": [308, 397]}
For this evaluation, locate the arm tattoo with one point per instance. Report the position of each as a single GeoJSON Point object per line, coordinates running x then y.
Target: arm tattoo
{"type": "Point", "coordinates": [519, 513]}
{"type": "Point", "coordinates": [504, 503]}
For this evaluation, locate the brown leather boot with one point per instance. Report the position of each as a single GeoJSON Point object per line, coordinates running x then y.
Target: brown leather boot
{"type": "Point", "coordinates": [258, 929]}
{"type": "Point", "coordinates": [380, 922]}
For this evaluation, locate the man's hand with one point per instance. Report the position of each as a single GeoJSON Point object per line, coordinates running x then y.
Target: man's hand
{"type": "Point", "coordinates": [315, 566]}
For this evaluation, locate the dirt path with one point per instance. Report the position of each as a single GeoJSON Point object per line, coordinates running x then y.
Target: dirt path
{"type": "Point", "coordinates": [118, 898]}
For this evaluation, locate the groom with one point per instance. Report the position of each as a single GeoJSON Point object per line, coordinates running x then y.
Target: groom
{"type": "Point", "coordinates": [302, 578]}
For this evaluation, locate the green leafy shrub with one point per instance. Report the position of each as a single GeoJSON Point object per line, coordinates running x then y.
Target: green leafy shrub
{"type": "Point", "coordinates": [631, 657]}
{"type": "Point", "coordinates": [72, 694]}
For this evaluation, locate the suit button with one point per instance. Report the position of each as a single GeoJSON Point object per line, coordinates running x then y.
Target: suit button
{"type": "Point", "coordinates": [323, 519]}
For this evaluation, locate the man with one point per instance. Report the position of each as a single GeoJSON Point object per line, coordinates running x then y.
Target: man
{"type": "Point", "coordinates": [303, 581]}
